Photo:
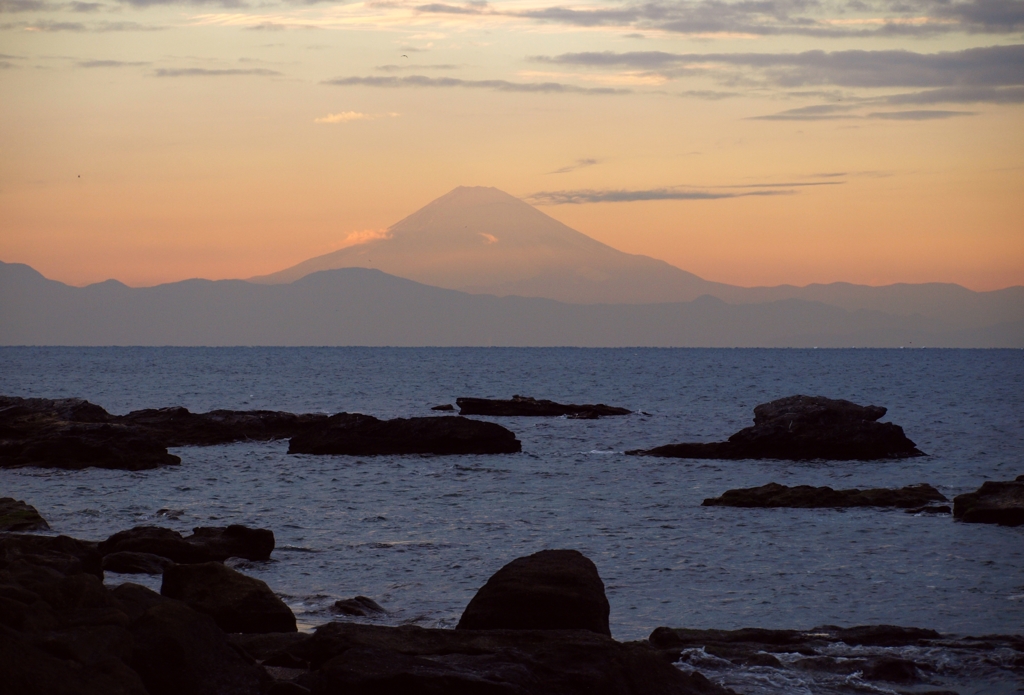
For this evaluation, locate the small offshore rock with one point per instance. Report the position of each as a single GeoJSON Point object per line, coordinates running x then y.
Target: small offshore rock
{"type": "Point", "coordinates": [359, 606]}
{"type": "Point", "coordinates": [532, 407]}
{"type": "Point", "coordinates": [16, 515]}
{"type": "Point", "coordinates": [364, 435]}
{"type": "Point", "coordinates": [446, 407]}
{"type": "Point", "coordinates": [808, 497]}
{"type": "Point", "coordinates": [177, 426]}
{"type": "Point", "coordinates": [800, 428]}
{"type": "Point", "coordinates": [995, 502]}
{"type": "Point", "coordinates": [236, 602]}
{"type": "Point", "coordinates": [135, 563]}
{"type": "Point", "coordinates": [549, 590]}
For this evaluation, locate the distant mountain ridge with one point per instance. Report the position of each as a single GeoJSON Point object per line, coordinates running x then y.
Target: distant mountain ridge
{"type": "Point", "coordinates": [484, 241]}
{"type": "Point", "coordinates": [358, 306]}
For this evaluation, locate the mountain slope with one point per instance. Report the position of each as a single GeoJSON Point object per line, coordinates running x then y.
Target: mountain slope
{"type": "Point", "coordinates": [358, 306]}
{"type": "Point", "coordinates": [483, 241]}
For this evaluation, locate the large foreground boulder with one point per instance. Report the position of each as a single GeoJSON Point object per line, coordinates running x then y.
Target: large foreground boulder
{"type": "Point", "coordinates": [805, 427]}
{"type": "Point", "coordinates": [237, 603]}
{"type": "Point", "coordinates": [356, 659]}
{"type": "Point", "coordinates": [364, 435]}
{"type": "Point", "coordinates": [532, 407]}
{"type": "Point", "coordinates": [206, 544]}
{"type": "Point", "coordinates": [995, 502]}
{"type": "Point", "coordinates": [16, 515]}
{"type": "Point", "coordinates": [808, 497]}
{"type": "Point", "coordinates": [63, 632]}
{"type": "Point", "coordinates": [549, 590]}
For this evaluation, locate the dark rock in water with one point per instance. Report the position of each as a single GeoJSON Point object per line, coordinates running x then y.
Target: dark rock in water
{"type": "Point", "coordinates": [805, 427]}
{"type": "Point", "coordinates": [16, 515]}
{"type": "Point", "coordinates": [236, 602]}
{"type": "Point", "coordinates": [359, 606]}
{"type": "Point", "coordinates": [549, 590]}
{"type": "Point", "coordinates": [806, 496]}
{"type": "Point", "coordinates": [178, 650]}
{"type": "Point", "coordinates": [177, 426]}
{"type": "Point", "coordinates": [62, 554]}
{"type": "Point", "coordinates": [135, 563]}
{"type": "Point", "coordinates": [446, 407]}
{"type": "Point", "coordinates": [361, 659]}
{"type": "Point", "coordinates": [233, 541]}
{"type": "Point", "coordinates": [523, 405]}
{"type": "Point", "coordinates": [364, 435]}
{"type": "Point", "coordinates": [995, 502]}
{"type": "Point", "coordinates": [71, 433]}
{"type": "Point", "coordinates": [206, 544]}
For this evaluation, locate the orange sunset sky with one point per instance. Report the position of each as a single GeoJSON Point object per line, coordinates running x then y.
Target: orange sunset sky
{"type": "Point", "coordinates": [754, 142]}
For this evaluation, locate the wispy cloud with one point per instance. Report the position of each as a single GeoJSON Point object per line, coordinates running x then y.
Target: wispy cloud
{"type": "Point", "coordinates": [399, 68]}
{"type": "Point", "coordinates": [110, 64]}
{"type": "Point", "coordinates": [496, 85]}
{"type": "Point", "coordinates": [204, 72]}
{"type": "Point", "coordinates": [578, 164]}
{"type": "Point", "coordinates": [578, 197]}
{"type": "Point", "coordinates": [349, 116]}
{"type": "Point", "coordinates": [921, 115]}
{"type": "Point", "coordinates": [829, 112]}
{"type": "Point", "coordinates": [79, 27]}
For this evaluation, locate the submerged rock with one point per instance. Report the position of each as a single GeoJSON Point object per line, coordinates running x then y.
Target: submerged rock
{"type": "Point", "coordinates": [525, 406]}
{"type": "Point", "coordinates": [805, 427]}
{"type": "Point", "coordinates": [995, 502]}
{"type": "Point", "coordinates": [357, 658]}
{"type": "Point", "coordinates": [206, 544]}
{"type": "Point", "coordinates": [363, 435]}
{"type": "Point", "coordinates": [806, 496]}
{"type": "Point", "coordinates": [16, 515]}
{"type": "Point", "coordinates": [549, 590]}
{"type": "Point", "coordinates": [359, 606]}
{"type": "Point", "coordinates": [236, 602]}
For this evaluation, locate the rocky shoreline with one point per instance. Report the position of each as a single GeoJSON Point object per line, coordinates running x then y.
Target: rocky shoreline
{"type": "Point", "coordinates": [539, 626]}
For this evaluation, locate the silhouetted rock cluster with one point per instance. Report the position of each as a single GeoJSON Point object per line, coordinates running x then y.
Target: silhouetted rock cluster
{"type": "Point", "coordinates": [364, 435]}
{"type": "Point", "coordinates": [805, 427]}
{"type": "Point", "coordinates": [72, 433]}
{"type": "Point", "coordinates": [995, 502]}
{"type": "Point", "coordinates": [16, 515]}
{"type": "Point", "coordinates": [806, 496]}
{"type": "Point", "coordinates": [525, 406]}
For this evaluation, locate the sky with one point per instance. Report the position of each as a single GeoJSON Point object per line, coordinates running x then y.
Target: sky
{"type": "Point", "coordinates": [753, 142]}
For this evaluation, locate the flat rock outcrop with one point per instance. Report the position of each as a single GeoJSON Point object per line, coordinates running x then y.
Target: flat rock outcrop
{"type": "Point", "coordinates": [361, 659]}
{"type": "Point", "coordinates": [549, 590]}
{"type": "Point", "coordinates": [532, 407]}
{"type": "Point", "coordinates": [236, 602]}
{"type": "Point", "coordinates": [995, 502]}
{"type": "Point", "coordinates": [206, 544]}
{"type": "Point", "coordinates": [805, 427]}
{"type": "Point", "coordinates": [354, 434]}
{"type": "Point", "coordinates": [61, 554]}
{"type": "Point", "coordinates": [807, 497]}
{"type": "Point", "coordinates": [178, 426]}
{"type": "Point", "coordinates": [16, 515]}
{"type": "Point", "coordinates": [72, 433]}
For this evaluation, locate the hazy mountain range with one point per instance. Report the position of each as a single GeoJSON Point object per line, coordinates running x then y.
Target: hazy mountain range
{"type": "Point", "coordinates": [480, 267]}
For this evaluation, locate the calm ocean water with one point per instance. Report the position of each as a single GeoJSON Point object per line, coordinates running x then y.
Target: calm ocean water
{"type": "Point", "coordinates": [421, 534]}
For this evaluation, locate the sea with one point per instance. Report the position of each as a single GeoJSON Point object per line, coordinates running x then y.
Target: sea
{"type": "Point", "coordinates": [420, 534]}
